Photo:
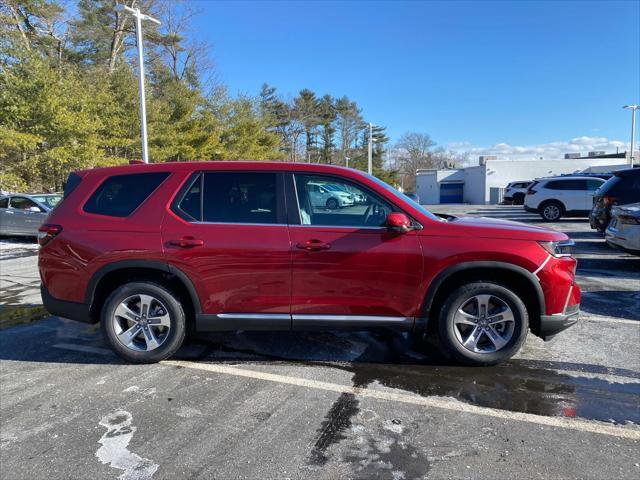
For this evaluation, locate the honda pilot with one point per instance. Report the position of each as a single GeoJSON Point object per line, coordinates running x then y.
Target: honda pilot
{"type": "Point", "coordinates": [154, 251]}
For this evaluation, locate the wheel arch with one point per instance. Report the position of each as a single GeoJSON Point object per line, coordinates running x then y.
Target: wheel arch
{"type": "Point", "coordinates": [563, 207]}
{"type": "Point", "coordinates": [514, 277]}
{"type": "Point", "coordinates": [109, 277]}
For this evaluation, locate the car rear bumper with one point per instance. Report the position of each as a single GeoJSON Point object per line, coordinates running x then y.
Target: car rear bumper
{"type": "Point", "coordinates": [64, 308]}
{"type": "Point", "coordinates": [551, 325]}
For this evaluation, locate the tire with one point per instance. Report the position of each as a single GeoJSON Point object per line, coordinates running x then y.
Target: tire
{"type": "Point", "coordinates": [551, 211]}
{"type": "Point", "coordinates": [472, 344]}
{"type": "Point", "coordinates": [166, 322]}
{"type": "Point", "coordinates": [518, 199]}
{"type": "Point", "coordinates": [332, 204]}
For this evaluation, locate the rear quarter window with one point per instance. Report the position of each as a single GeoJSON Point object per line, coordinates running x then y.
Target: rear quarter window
{"type": "Point", "coordinates": [120, 195]}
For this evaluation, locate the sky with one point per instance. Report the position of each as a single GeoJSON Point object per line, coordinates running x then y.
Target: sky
{"type": "Point", "coordinates": [519, 79]}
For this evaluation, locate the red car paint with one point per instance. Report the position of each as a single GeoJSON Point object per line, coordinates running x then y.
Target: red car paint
{"type": "Point", "coordinates": [285, 268]}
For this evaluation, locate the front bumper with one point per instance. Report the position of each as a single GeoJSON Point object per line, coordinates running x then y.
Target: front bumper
{"type": "Point", "coordinates": [530, 209]}
{"type": "Point", "coordinates": [551, 325]}
{"type": "Point", "coordinates": [65, 309]}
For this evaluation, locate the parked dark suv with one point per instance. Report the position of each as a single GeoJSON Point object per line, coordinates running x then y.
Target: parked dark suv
{"type": "Point", "coordinates": [150, 250]}
{"type": "Point", "coordinates": [621, 189]}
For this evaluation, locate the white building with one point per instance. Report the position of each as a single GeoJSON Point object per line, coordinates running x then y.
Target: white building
{"type": "Point", "coordinates": [485, 183]}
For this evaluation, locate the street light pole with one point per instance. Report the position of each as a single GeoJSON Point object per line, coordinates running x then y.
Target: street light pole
{"type": "Point", "coordinates": [633, 109]}
{"type": "Point", "coordinates": [143, 108]}
{"type": "Point", "coordinates": [370, 164]}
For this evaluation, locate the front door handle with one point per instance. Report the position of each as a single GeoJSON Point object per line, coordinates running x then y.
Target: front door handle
{"type": "Point", "coordinates": [313, 245]}
{"type": "Point", "coordinates": [187, 242]}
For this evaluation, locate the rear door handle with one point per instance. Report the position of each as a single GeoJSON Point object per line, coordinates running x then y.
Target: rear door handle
{"type": "Point", "coordinates": [313, 245]}
{"type": "Point", "coordinates": [187, 242]}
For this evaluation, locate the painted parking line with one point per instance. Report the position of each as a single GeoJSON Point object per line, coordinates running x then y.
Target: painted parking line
{"type": "Point", "coordinates": [610, 320]}
{"type": "Point", "coordinates": [630, 432]}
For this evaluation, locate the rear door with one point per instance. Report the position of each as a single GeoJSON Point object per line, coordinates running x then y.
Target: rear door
{"type": "Point", "coordinates": [5, 216]}
{"type": "Point", "coordinates": [348, 269]}
{"type": "Point", "coordinates": [592, 185]}
{"type": "Point", "coordinates": [228, 233]}
{"type": "Point", "coordinates": [25, 216]}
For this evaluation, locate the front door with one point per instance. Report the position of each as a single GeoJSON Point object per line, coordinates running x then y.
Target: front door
{"type": "Point", "coordinates": [348, 269]}
{"type": "Point", "coordinates": [229, 235]}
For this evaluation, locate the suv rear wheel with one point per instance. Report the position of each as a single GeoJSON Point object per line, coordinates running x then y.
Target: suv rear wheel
{"type": "Point", "coordinates": [143, 322]}
{"type": "Point", "coordinates": [482, 323]}
{"type": "Point", "coordinates": [551, 211]}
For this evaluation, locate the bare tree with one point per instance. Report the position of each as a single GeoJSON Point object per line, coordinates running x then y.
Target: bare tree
{"type": "Point", "coordinates": [349, 123]}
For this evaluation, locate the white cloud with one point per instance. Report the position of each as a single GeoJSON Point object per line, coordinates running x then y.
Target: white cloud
{"type": "Point", "coordinates": [549, 151]}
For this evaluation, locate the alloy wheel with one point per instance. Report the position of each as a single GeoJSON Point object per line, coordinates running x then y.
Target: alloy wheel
{"type": "Point", "coordinates": [484, 324]}
{"type": "Point", "coordinates": [141, 323]}
{"type": "Point", "coordinates": [551, 212]}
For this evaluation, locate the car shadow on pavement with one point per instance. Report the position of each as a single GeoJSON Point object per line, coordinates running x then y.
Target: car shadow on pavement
{"type": "Point", "coordinates": [612, 303]}
{"type": "Point", "coordinates": [610, 267]}
{"type": "Point", "coordinates": [371, 358]}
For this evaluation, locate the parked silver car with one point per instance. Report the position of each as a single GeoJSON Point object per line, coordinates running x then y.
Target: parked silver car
{"type": "Point", "coordinates": [22, 214]}
{"type": "Point", "coordinates": [624, 228]}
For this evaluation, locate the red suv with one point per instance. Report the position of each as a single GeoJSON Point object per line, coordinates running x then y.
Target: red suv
{"type": "Point", "coordinates": [152, 251]}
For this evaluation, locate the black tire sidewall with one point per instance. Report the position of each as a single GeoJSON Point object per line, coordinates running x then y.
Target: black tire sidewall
{"type": "Point", "coordinates": [332, 201]}
{"type": "Point", "coordinates": [457, 298]}
{"type": "Point", "coordinates": [518, 199]}
{"type": "Point", "coordinates": [176, 314]}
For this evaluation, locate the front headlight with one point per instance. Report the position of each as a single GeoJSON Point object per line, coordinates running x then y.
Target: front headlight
{"type": "Point", "coordinates": [558, 249]}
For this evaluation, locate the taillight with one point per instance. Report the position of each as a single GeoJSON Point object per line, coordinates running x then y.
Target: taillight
{"type": "Point", "coordinates": [531, 191]}
{"type": "Point", "coordinates": [609, 200]}
{"type": "Point", "coordinates": [48, 232]}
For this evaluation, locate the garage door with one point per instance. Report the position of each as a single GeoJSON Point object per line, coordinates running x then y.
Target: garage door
{"type": "Point", "coordinates": [451, 192]}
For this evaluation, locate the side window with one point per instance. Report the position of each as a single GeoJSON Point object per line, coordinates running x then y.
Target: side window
{"type": "Point", "coordinates": [120, 195]}
{"type": "Point", "coordinates": [190, 207]}
{"type": "Point", "coordinates": [22, 203]}
{"type": "Point", "coordinates": [327, 201]}
{"type": "Point", "coordinates": [4, 202]}
{"type": "Point", "coordinates": [239, 197]}
{"type": "Point", "coordinates": [593, 185]}
{"type": "Point", "coordinates": [567, 185]}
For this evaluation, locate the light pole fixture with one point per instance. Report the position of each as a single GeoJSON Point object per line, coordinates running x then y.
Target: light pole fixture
{"type": "Point", "coordinates": [633, 109]}
{"type": "Point", "coordinates": [143, 109]}
{"type": "Point", "coordinates": [370, 162]}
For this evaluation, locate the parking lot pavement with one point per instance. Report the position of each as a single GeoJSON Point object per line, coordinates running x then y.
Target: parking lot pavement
{"type": "Point", "coordinates": [330, 405]}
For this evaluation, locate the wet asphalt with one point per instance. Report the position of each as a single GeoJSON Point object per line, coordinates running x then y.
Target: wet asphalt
{"type": "Point", "coordinates": [330, 404]}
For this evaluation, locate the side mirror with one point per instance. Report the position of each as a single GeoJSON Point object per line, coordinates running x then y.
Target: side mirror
{"type": "Point", "coordinates": [33, 209]}
{"type": "Point", "coordinates": [399, 222]}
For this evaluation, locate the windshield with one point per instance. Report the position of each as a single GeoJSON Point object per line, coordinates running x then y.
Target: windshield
{"type": "Point", "coordinates": [48, 200]}
{"type": "Point", "coordinates": [401, 196]}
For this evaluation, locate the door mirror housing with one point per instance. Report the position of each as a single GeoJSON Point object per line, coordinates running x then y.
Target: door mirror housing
{"type": "Point", "coordinates": [399, 222]}
{"type": "Point", "coordinates": [34, 210]}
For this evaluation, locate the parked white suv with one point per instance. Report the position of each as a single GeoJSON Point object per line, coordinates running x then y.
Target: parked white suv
{"type": "Point", "coordinates": [515, 192]}
{"type": "Point", "coordinates": [555, 197]}
{"type": "Point", "coordinates": [324, 197]}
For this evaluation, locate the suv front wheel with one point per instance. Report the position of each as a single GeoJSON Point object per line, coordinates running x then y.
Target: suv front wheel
{"type": "Point", "coordinates": [482, 323]}
{"type": "Point", "coordinates": [143, 322]}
